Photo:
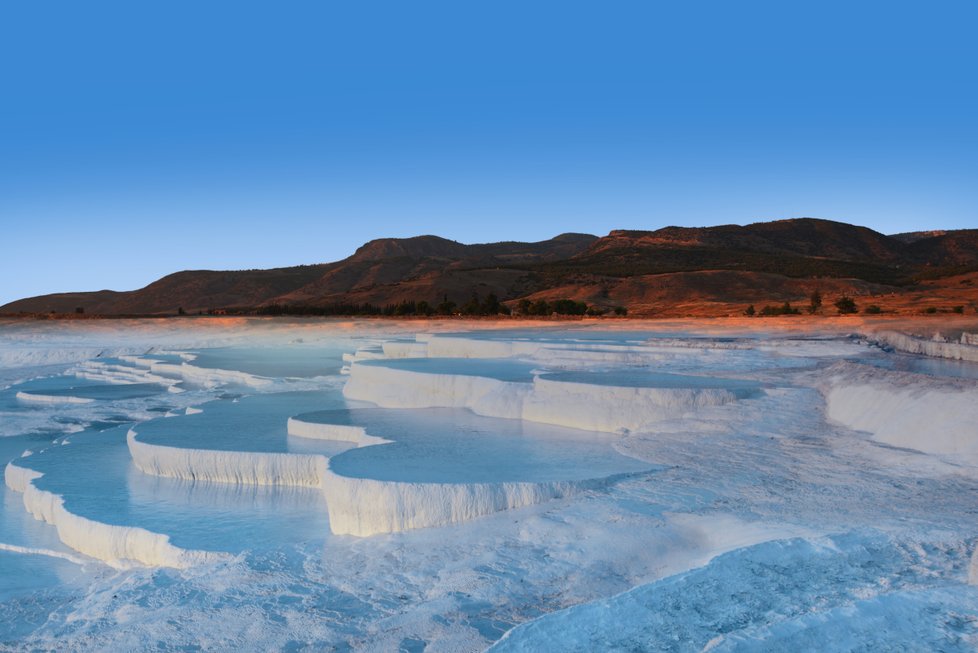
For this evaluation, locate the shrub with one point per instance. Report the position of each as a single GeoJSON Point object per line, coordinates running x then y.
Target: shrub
{"type": "Point", "coordinates": [930, 310]}
{"type": "Point", "coordinates": [959, 310]}
{"type": "Point", "coordinates": [750, 311]}
{"type": "Point", "coordinates": [846, 305]}
{"type": "Point", "coordinates": [873, 309]}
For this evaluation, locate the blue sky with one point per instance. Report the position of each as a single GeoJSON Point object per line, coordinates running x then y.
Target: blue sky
{"type": "Point", "coordinates": [137, 139]}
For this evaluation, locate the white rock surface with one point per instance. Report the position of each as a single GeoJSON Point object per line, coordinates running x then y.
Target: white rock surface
{"type": "Point", "coordinates": [593, 407]}
{"type": "Point", "coordinates": [37, 398]}
{"type": "Point", "coordinates": [964, 351]}
{"type": "Point", "coordinates": [242, 467]}
{"type": "Point", "coordinates": [118, 546]}
{"type": "Point", "coordinates": [914, 411]}
{"type": "Point", "coordinates": [366, 507]}
{"type": "Point", "coordinates": [394, 388]}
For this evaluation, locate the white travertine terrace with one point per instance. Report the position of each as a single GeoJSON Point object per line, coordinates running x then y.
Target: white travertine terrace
{"type": "Point", "coordinates": [914, 411]}
{"type": "Point", "coordinates": [964, 350]}
{"type": "Point", "coordinates": [204, 376]}
{"type": "Point", "coordinates": [34, 397]}
{"type": "Point", "coordinates": [241, 467]}
{"type": "Point", "coordinates": [343, 433]}
{"type": "Point", "coordinates": [404, 349]}
{"type": "Point", "coordinates": [593, 407]}
{"type": "Point", "coordinates": [396, 388]}
{"type": "Point", "coordinates": [894, 412]}
{"type": "Point", "coordinates": [118, 546]}
{"type": "Point", "coordinates": [614, 409]}
{"type": "Point", "coordinates": [357, 506]}
{"type": "Point", "coordinates": [363, 507]}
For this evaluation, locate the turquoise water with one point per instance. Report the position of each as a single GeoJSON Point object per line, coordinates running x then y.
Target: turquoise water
{"type": "Point", "coordinates": [512, 371]}
{"type": "Point", "coordinates": [24, 577]}
{"type": "Point", "coordinates": [106, 392]}
{"type": "Point", "coordinates": [922, 365]}
{"type": "Point", "coordinates": [645, 378]}
{"type": "Point", "coordinates": [297, 361]}
{"type": "Point", "coordinates": [97, 479]}
{"type": "Point", "coordinates": [442, 445]}
{"type": "Point", "coordinates": [755, 526]}
{"type": "Point", "coordinates": [253, 423]}
{"type": "Point", "coordinates": [564, 335]}
{"type": "Point", "coordinates": [64, 384]}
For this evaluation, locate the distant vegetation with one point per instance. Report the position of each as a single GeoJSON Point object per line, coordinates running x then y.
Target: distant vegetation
{"type": "Point", "coordinates": [329, 309]}
{"type": "Point", "coordinates": [932, 272]}
{"type": "Point", "coordinates": [783, 309]}
{"type": "Point", "coordinates": [801, 249]}
{"type": "Point", "coordinates": [771, 311]}
{"type": "Point", "coordinates": [814, 302]}
{"type": "Point", "coordinates": [488, 306]}
{"type": "Point", "coordinates": [957, 310]}
{"type": "Point", "coordinates": [846, 305]}
{"type": "Point", "coordinates": [662, 260]}
{"type": "Point", "coordinates": [543, 307]}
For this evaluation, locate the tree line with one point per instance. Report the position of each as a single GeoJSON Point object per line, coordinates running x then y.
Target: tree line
{"type": "Point", "coordinates": [475, 306]}
{"type": "Point", "coordinates": [846, 305]}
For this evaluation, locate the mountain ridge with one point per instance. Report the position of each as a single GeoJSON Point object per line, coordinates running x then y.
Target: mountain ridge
{"type": "Point", "coordinates": [781, 257]}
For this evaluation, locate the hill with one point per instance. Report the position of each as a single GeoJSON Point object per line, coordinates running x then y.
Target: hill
{"type": "Point", "coordinates": [666, 271]}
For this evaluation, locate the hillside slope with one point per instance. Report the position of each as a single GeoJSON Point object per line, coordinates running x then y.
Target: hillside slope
{"type": "Point", "coordinates": [647, 271]}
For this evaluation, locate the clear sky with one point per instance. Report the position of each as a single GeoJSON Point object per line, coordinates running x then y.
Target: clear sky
{"type": "Point", "coordinates": [141, 138]}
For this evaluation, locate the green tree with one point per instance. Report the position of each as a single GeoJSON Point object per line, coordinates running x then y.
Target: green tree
{"type": "Point", "coordinates": [815, 302]}
{"type": "Point", "coordinates": [846, 305]}
{"type": "Point", "coordinates": [472, 307]}
{"type": "Point", "coordinates": [750, 311]}
{"type": "Point", "coordinates": [569, 307]}
{"type": "Point", "coordinates": [405, 308]}
{"type": "Point", "coordinates": [540, 307]}
{"type": "Point", "coordinates": [491, 305]}
{"type": "Point", "coordinates": [784, 309]}
{"type": "Point", "coordinates": [446, 307]}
